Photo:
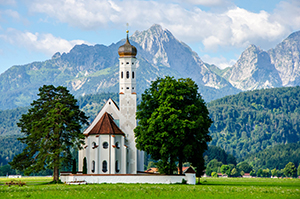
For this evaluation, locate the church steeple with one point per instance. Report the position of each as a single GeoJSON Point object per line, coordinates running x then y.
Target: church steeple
{"type": "Point", "coordinates": [127, 50]}
{"type": "Point", "coordinates": [127, 78]}
{"type": "Point", "coordinates": [127, 97]}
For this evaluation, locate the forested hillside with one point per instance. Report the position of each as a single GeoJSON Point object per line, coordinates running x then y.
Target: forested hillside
{"type": "Point", "coordinates": [256, 120]}
{"type": "Point", "coordinates": [276, 157]}
{"type": "Point", "coordinates": [244, 124]}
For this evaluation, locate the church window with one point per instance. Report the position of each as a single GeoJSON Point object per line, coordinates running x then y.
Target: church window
{"type": "Point", "coordinates": [117, 145]}
{"type": "Point", "coordinates": [127, 62]}
{"type": "Point", "coordinates": [104, 166]}
{"type": "Point", "coordinates": [132, 63]}
{"type": "Point", "coordinates": [127, 74]}
{"type": "Point", "coordinates": [127, 87]}
{"type": "Point", "coordinates": [122, 63]}
{"type": "Point", "coordinates": [93, 166]}
{"type": "Point", "coordinates": [122, 75]}
{"type": "Point", "coordinates": [132, 88]}
{"type": "Point", "coordinates": [94, 145]}
{"type": "Point", "coordinates": [117, 166]}
{"type": "Point", "coordinates": [132, 75]}
{"type": "Point", "coordinates": [105, 145]}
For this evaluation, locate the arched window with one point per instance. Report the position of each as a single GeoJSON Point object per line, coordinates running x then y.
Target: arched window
{"type": "Point", "coordinates": [127, 74]}
{"type": "Point", "coordinates": [117, 166]}
{"type": "Point", "coordinates": [105, 145]}
{"type": "Point", "coordinates": [132, 74]}
{"type": "Point", "coordinates": [117, 145]}
{"type": "Point", "coordinates": [104, 166]}
{"type": "Point", "coordinates": [122, 75]}
{"type": "Point", "coordinates": [94, 145]}
{"type": "Point", "coordinates": [93, 166]}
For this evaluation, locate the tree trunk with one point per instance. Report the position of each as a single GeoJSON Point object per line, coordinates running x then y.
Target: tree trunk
{"type": "Point", "coordinates": [55, 174]}
{"type": "Point", "coordinates": [180, 165]}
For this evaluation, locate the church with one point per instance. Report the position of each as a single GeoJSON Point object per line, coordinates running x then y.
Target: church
{"type": "Point", "coordinates": [109, 140]}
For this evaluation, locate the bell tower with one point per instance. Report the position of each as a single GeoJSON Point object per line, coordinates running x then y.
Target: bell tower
{"type": "Point", "coordinates": [127, 103]}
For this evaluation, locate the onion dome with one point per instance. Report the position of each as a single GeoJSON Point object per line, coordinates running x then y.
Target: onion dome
{"type": "Point", "coordinates": [127, 50]}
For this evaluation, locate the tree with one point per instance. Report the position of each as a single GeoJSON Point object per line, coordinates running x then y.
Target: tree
{"type": "Point", "coordinates": [298, 172]}
{"type": "Point", "coordinates": [200, 168]}
{"type": "Point", "coordinates": [214, 174]}
{"type": "Point", "coordinates": [290, 170]}
{"type": "Point", "coordinates": [259, 173]}
{"type": "Point", "coordinates": [244, 166]}
{"type": "Point", "coordinates": [225, 169]}
{"type": "Point", "coordinates": [242, 173]}
{"type": "Point", "coordinates": [52, 129]}
{"type": "Point", "coordinates": [234, 172]}
{"type": "Point", "coordinates": [274, 172]}
{"type": "Point", "coordinates": [173, 123]}
{"type": "Point", "coordinates": [252, 173]}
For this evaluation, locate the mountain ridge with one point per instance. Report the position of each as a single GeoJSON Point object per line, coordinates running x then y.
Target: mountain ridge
{"type": "Point", "coordinates": [91, 69]}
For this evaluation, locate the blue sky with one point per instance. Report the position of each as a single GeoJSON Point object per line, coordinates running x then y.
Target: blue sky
{"type": "Point", "coordinates": [218, 30]}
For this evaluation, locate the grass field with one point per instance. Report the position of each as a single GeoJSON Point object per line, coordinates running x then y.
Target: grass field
{"type": "Point", "coordinates": [210, 188]}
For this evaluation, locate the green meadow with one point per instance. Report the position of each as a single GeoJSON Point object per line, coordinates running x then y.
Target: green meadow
{"type": "Point", "coordinates": [209, 188]}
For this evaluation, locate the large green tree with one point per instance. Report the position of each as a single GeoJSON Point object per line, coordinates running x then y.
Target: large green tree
{"type": "Point", "coordinates": [52, 129]}
{"type": "Point", "coordinates": [173, 123]}
{"type": "Point", "coordinates": [290, 170]}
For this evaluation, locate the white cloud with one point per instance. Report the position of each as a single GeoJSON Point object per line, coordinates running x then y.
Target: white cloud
{"type": "Point", "coordinates": [206, 2]}
{"type": "Point", "coordinates": [234, 27]}
{"type": "Point", "coordinates": [221, 61]}
{"type": "Point", "coordinates": [12, 13]}
{"type": "Point", "coordinates": [288, 13]}
{"type": "Point", "coordinates": [7, 2]}
{"type": "Point", "coordinates": [46, 43]}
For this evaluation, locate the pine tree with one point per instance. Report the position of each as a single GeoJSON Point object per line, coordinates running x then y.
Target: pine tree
{"type": "Point", "coordinates": [51, 128]}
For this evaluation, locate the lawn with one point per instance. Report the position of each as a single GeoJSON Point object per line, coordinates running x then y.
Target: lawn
{"type": "Point", "coordinates": [210, 188]}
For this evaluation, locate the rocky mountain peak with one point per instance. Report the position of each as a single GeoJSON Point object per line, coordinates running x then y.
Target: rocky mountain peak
{"type": "Point", "coordinates": [253, 70]}
{"type": "Point", "coordinates": [56, 55]}
{"type": "Point", "coordinates": [286, 58]}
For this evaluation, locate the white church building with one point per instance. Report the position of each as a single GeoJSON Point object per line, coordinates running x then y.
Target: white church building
{"type": "Point", "coordinates": [110, 148]}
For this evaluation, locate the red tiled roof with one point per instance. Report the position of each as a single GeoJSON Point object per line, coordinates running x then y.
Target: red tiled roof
{"type": "Point", "coordinates": [106, 125]}
{"type": "Point", "coordinates": [183, 169]}
{"type": "Point", "coordinates": [189, 170]}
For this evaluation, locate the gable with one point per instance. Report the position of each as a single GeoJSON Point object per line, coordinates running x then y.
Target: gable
{"type": "Point", "coordinates": [111, 108]}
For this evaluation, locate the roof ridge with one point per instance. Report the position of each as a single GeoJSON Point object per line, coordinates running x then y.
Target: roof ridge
{"type": "Point", "coordinates": [106, 125]}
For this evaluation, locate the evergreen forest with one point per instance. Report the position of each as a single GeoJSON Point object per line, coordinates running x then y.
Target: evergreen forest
{"type": "Point", "coordinates": [252, 121]}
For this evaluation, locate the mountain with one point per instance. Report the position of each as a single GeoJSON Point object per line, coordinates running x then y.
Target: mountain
{"type": "Point", "coordinates": [92, 69]}
{"type": "Point", "coordinates": [286, 59]}
{"type": "Point", "coordinates": [256, 69]}
{"type": "Point", "coordinates": [252, 121]}
{"type": "Point", "coordinates": [253, 70]}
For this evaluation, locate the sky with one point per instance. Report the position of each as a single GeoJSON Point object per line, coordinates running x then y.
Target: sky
{"type": "Point", "coordinates": [218, 30]}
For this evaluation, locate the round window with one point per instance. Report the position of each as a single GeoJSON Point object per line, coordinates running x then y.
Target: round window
{"type": "Point", "coordinates": [105, 145]}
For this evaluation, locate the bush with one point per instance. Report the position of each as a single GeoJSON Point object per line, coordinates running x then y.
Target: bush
{"type": "Point", "coordinates": [214, 174]}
